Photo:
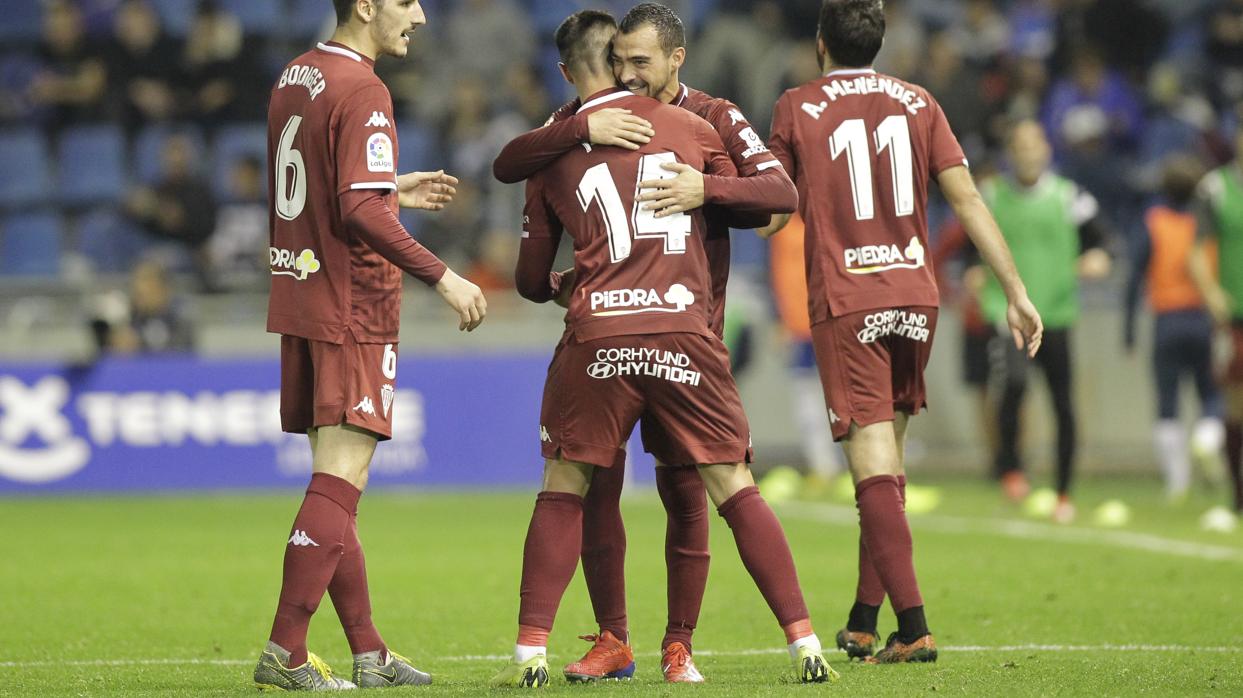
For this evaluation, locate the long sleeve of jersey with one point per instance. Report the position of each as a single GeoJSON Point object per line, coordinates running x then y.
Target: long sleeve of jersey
{"type": "Point", "coordinates": [366, 213]}
{"type": "Point", "coordinates": [770, 191]}
{"type": "Point", "coordinates": [535, 150]}
{"type": "Point", "coordinates": [533, 277]}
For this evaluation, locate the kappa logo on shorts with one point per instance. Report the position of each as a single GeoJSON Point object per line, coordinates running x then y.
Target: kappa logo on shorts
{"type": "Point", "coordinates": [638, 300]}
{"type": "Point", "coordinates": [543, 434]}
{"type": "Point", "coordinates": [285, 263]}
{"type": "Point", "coordinates": [833, 418]}
{"type": "Point", "coordinates": [898, 323]}
{"type": "Point", "coordinates": [366, 406]}
{"type": "Point", "coordinates": [874, 259]}
{"type": "Point", "coordinates": [657, 363]}
{"type": "Point", "coordinates": [301, 539]}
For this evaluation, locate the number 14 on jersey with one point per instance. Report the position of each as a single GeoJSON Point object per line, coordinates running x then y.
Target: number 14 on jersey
{"type": "Point", "coordinates": [597, 186]}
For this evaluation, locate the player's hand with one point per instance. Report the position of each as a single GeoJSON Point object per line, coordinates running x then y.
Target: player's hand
{"type": "Point", "coordinates": [567, 288]}
{"type": "Point", "coordinates": [429, 191]}
{"type": "Point", "coordinates": [465, 298]}
{"type": "Point", "coordinates": [1025, 325]}
{"type": "Point", "coordinates": [666, 197]}
{"type": "Point", "coordinates": [618, 127]}
{"type": "Point", "coordinates": [1094, 264]}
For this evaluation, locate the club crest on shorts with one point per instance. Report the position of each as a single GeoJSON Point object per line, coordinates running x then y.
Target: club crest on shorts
{"type": "Point", "coordinates": [386, 397]}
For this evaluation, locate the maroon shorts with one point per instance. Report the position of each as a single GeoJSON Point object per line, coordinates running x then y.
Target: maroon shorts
{"type": "Point", "coordinates": [872, 364]}
{"type": "Point", "coordinates": [325, 384]}
{"type": "Point", "coordinates": [596, 391]}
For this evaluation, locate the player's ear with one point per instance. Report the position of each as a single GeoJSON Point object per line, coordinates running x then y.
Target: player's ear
{"type": "Point", "coordinates": [366, 8]}
{"type": "Point", "coordinates": [678, 57]}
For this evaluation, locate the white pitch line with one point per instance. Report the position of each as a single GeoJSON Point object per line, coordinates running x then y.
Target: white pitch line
{"type": "Point", "coordinates": [1220, 649]}
{"type": "Point", "coordinates": [1028, 530]}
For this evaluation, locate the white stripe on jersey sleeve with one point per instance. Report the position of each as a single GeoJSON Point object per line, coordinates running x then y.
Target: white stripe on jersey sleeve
{"type": "Point", "coordinates": [373, 185]}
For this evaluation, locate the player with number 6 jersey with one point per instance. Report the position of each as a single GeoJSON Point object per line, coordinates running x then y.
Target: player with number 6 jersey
{"type": "Point", "coordinates": [861, 147]}
{"type": "Point", "coordinates": [337, 254]}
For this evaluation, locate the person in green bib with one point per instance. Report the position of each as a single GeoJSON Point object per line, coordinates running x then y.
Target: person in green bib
{"type": "Point", "coordinates": [1219, 219]}
{"type": "Point", "coordinates": [1055, 234]}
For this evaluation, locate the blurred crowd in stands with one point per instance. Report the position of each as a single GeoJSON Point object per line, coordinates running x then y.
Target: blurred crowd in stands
{"type": "Point", "coordinates": [133, 128]}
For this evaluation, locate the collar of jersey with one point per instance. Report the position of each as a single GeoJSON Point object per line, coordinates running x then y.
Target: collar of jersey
{"type": "Point", "coordinates": [682, 97]}
{"type": "Point", "coordinates": [603, 97]}
{"type": "Point", "coordinates": [343, 50]}
{"type": "Point", "coordinates": [850, 71]}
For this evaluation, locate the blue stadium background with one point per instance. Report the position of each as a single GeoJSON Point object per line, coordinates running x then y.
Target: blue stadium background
{"type": "Point", "coordinates": [113, 113]}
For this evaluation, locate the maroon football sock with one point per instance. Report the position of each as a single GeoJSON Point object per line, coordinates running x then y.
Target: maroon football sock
{"type": "Point", "coordinates": [348, 591]}
{"type": "Point", "coordinates": [549, 556]}
{"type": "Point", "coordinates": [882, 521]}
{"type": "Point", "coordinates": [604, 548]}
{"type": "Point", "coordinates": [311, 557]}
{"type": "Point", "coordinates": [686, 549]}
{"type": "Point", "coordinates": [870, 591]}
{"type": "Point", "coordinates": [765, 553]}
{"type": "Point", "coordinates": [1234, 460]}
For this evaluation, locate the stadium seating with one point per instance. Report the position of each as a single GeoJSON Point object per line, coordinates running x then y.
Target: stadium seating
{"type": "Point", "coordinates": [147, 161]}
{"type": "Point", "coordinates": [259, 16]}
{"type": "Point", "coordinates": [415, 148]}
{"type": "Point", "coordinates": [22, 20]}
{"type": "Point", "coordinates": [30, 244]}
{"type": "Point", "coordinates": [306, 19]}
{"type": "Point", "coordinates": [109, 241]}
{"type": "Point", "coordinates": [548, 14]}
{"type": "Point", "coordinates": [24, 176]}
{"type": "Point", "coordinates": [91, 165]}
{"type": "Point", "coordinates": [177, 15]}
{"type": "Point", "coordinates": [233, 142]}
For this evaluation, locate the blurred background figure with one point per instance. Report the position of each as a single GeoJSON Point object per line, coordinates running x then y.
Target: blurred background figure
{"type": "Point", "coordinates": [1055, 233]}
{"type": "Point", "coordinates": [1182, 330]}
{"type": "Point", "coordinates": [142, 67]}
{"type": "Point", "coordinates": [179, 210]}
{"type": "Point", "coordinates": [236, 251]}
{"type": "Point", "coordinates": [70, 85]}
{"type": "Point", "coordinates": [151, 318]}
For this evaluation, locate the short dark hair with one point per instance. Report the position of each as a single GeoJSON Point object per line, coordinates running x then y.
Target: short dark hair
{"type": "Point", "coordinates": [581, 42]}
{"type": "Point", "coordinates": [345, 9]}
{"type": "Point", "coordinates": [665, 21]}
{"type": "Point", "coordinates": [852, 31]}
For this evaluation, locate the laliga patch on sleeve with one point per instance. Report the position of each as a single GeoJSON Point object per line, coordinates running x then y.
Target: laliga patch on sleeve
{"type": "Point", "coordinates": [379, 153]}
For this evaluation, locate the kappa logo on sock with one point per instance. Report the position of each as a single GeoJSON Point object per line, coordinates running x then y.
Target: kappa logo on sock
{"type": "Point", "coordinates": [300, 538]}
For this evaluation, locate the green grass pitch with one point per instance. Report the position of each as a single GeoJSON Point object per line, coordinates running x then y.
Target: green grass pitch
{"type": "Point", "coordinates": [174, 595]}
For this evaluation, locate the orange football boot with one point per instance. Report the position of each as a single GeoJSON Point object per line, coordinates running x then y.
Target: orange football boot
{"type": "Point", "coordinates": [897, 652]}
{"type": "Point", "coordinates": [678, 666]}
{"type": "Point", "coordinates": [858, 645]}
{"type": "Point", "coordinates": [608, 658]}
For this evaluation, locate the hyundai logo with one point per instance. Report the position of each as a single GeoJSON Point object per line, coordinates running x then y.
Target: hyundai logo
{"type": "Point", "coordinates": [601, 370]}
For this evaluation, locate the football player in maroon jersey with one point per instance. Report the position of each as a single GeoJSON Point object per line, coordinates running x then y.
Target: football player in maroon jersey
{"type": "Point", "coordinates": [647, 53]}
{"type": "Point", "coordinates": [638, 340]}
{"type": "Point", "coordinates": [861, 147]}
{"type": "Point", "coordinates": [337, 255]}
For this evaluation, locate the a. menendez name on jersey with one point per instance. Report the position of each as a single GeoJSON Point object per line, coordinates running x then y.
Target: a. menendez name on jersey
{"type": "Point", "coordinates": [866, 85]}
{"type": "Point", "coordinates": [305, 75]}
{"type": "Point", "coordinates": [873, 259]}
{"type": "Point", "coordinates": [657, 363]}
{"type": "Point", "coordinates": [639, 300]}
{"type": "Point", "coordinates": [898, 323]}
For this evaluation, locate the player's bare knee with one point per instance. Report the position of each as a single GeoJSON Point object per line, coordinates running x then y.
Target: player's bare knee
{"type": "Point", "coordinates": [567, 476]}
{"type": "Point", "coordinates": [724, 480]}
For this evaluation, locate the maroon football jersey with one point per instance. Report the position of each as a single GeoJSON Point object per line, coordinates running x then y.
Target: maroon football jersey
{"type": "Point", "coordinates": [750, 156]}
{"type": "Point", "coordinates": [330, 130]}
{"type": "Point", "coordinates": [861, 147]}
{"type": "Point", "coordinates": [636, 274]}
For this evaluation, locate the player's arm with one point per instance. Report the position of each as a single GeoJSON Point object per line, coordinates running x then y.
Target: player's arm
{"type": "Point", "coordinates": [534, 277]}
{"type": "Point", "coordinates": [534, 150]}
{"type": "Point", "coordinates": [367, 214]}
{"type": "Point", "coordinates": [1219, 303]}
{"type": "Point", "coordinates": [781, 144]}
{"type": "Point", "coordinates": [961, 193]}
{"type": "Point", "coordinates": [762, 188]}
